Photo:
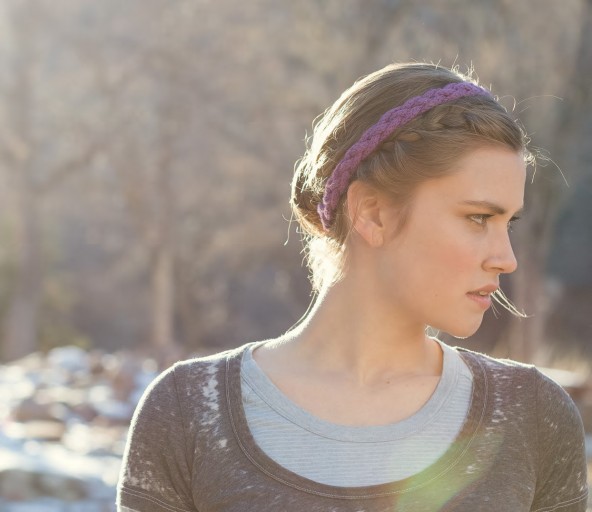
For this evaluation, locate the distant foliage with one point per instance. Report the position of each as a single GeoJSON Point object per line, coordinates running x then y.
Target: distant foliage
{"type": "Point", "coordinates": [147, 148]}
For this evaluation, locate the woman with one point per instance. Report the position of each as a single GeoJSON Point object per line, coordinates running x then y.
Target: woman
{"type": "Point", "coordinates": [405, 195]}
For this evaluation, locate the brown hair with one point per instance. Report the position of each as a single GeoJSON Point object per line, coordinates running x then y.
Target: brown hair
{"type": "Point", "coordinates": [425, 148]}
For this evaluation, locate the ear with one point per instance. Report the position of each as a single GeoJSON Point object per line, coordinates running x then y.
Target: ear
{"type": "Point", "coordinates": [365, 208]}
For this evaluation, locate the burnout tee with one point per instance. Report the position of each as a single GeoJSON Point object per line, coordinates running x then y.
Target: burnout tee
{"type": "Point", "coordinates": [521, 448]}
{"type": "Point", "coordinates": [362, 455]}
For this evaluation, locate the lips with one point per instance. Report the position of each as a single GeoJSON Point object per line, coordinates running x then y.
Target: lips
{"type": "Point", "coordinates": [482, 296]}
{"type": "Point", "coordinates": [485, 290]}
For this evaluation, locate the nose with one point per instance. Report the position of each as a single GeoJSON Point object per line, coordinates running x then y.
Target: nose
{"type": "Point", "coordinates": [501, 256]}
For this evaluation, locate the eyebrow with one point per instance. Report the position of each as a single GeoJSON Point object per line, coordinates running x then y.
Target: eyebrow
{"type": "Point", "coordinates": [495, 208]}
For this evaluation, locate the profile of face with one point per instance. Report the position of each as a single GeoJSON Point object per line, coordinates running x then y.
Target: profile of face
{"type": "Point", "coordinates": [455, 242]}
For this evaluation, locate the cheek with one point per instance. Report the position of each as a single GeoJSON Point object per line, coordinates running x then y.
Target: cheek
{"type": "Point", "coordinates": [437, 261]}
{"type": "Point", "coordinates": [448, 259]}
{"type": "Point", "coordinates": [459, 256]}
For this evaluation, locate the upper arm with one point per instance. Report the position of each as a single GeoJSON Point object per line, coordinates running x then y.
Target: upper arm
{"type": "Point", "coordinates": [561, 469]}
{"type": "Point", "coordinates": [156, 470]}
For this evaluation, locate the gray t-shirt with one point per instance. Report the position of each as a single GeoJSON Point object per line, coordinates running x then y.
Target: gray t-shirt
{"type": "Point", "coordinates": [521, 448]}
{"type": "Point", "coordinates": [355, 456]}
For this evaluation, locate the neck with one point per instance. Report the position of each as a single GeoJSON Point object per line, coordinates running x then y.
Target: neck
{"type": "Point", "coordinates": [364, 339]}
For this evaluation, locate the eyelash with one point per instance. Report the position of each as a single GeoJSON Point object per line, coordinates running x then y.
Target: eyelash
{"type": "Point", "coordinates": [483, 220]}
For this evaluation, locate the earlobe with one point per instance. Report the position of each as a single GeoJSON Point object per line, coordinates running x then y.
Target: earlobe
{"type": "Point", "coordinates": [377, 239]}
{"type": "Point", "coordinates": [364, 209]}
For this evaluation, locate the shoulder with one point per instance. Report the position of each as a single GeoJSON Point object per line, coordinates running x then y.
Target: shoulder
{"type": "Point", "coordinates": [556, 409]}
{"type": "Point", "coordinates": [204, 365]}
{"type": "Point", "coordinates": [547, 397]}
{"type": "Point", "coordinates": [500, 369]}
{"type": "Point", "coordinates": [207, 370]}
{"type": "Point", "coordinates": [541, 379]}
{"type": "Point", "coordinates": [190, 378]}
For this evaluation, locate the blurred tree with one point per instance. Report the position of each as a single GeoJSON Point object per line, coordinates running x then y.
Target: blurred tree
{"type": "Point", "coordinates": [29, 176]}
{"type": "Point", "coordinates": [178, 124]}
{"type": "Point", "coordinates": [570, 260]}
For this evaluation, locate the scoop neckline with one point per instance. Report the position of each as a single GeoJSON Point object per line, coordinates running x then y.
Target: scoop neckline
{"type": "Point", "coordinates": [274, 470]}
{"type": "Point", "coordinates": [417, 422]}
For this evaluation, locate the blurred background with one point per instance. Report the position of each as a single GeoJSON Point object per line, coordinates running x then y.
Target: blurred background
{"type": "Point", "coordinates": [146, 151]}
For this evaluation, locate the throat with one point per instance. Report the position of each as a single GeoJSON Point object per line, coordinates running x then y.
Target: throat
{"type": "Point", "coordinates": [353, 406]}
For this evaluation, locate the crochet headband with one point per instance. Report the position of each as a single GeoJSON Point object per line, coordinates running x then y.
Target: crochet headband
{"type": "Point", "coordinates": [375, 135]}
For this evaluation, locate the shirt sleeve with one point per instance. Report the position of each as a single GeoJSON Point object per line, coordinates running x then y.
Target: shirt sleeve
{"type": "Point", "coordinates": [156, 471]}
{"type": "Point", "coordinates": [562, 470]}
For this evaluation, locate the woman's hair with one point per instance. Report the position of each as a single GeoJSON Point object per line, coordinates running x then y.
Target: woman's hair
{"type": "Point", "coordinates": [426, 147]}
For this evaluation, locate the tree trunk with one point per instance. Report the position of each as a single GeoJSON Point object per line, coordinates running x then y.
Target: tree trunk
{"type": "Point", "coordinates": [526, 334]}
{"type": "Point", "coordinates": [162, 298]}
{"type": "Point", "coordinates": [20, 336]}
{"type": "Point", "coordinates": [21, 324]}
{"type": "Point", "coordinates": [163, 269]}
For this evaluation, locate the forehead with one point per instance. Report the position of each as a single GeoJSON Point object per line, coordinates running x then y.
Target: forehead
{"type": "Point", "coordinates": [496, 175]}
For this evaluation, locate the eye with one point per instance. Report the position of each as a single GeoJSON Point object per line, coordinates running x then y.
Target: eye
{"type": "Point", "coordinates": [511, 222]}
{"type": "Point", "coordinates": [480, 218]}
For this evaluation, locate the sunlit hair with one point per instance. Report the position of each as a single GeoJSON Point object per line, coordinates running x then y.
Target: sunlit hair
{"type": "Point", "coordinates": [425, 148]}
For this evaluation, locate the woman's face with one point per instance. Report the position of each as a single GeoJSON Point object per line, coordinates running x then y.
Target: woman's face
{"type": "Point", "coordinates": [456, 242]}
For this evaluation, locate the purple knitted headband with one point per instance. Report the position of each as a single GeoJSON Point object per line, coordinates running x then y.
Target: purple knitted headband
{"type": "Point", "coordinates": [375, 135]}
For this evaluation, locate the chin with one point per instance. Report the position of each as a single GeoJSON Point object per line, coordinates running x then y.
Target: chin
{"type": "Point", "coordinates": [461, 331]}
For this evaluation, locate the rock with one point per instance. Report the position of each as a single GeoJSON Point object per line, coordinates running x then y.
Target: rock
{"type": "Point", "coordinates": [61, 486]}
{"type": "Point", "coordinates": [36, 430]}
{"type": "Point", "coordinates": [85, 412]}
{"type": "Point", "coordinates": [17, 484]}
{"type": "Point", "coordinates": [20, 484]}
{"type": "Point", "coordinates": [102, 400]}
{"type": "Point", "coordinates": [65, 418]}
{"type": "Point", "coordinates": [93, 439]}
{"type": "Point", "coordinates": [30, 409]}
{"type": "Point", "coordinates": [69, 358]}
{"type": "Point", "coordinates": [123, 380]}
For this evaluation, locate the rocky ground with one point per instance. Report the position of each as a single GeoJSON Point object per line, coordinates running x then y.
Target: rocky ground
{"type": "Point", "coordinates": [64, 418]}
